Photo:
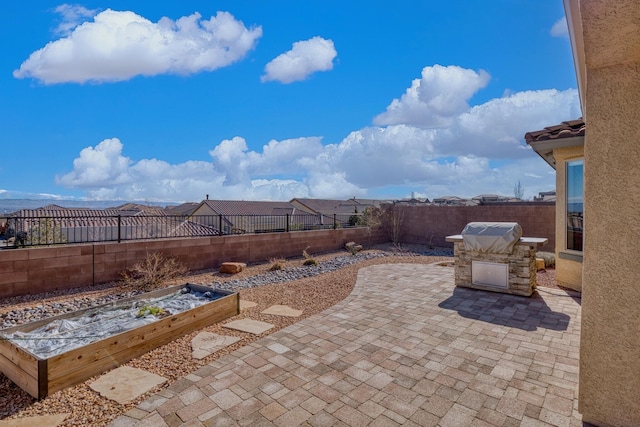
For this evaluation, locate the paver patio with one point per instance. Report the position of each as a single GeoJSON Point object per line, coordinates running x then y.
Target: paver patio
{"type": "Point", "coordinates": [405, 348]}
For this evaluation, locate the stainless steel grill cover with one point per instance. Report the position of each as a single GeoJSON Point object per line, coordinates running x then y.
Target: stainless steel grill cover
{"type": "Point", "coordinates": [491, 237]}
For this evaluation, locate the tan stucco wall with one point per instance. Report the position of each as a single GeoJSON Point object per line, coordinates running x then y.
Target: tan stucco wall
{"type": "Point", "coordinates": [609, 389]}
{"type": "Point", "coordinates": [568, 271]}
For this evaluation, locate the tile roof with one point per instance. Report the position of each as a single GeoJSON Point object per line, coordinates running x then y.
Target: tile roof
{"type": "Point", "coordinates": [183, 209]}
{"type": "Point", "coordinates": [566, 129]}
{"type": "Point", "coordinates": [60, 212]}
{"type": "Point", "coordinates": [567, 134]}
{"type": "Point", "coordinates": [242, 207]}
{"type": "Point", "coordinates": [330, 207]}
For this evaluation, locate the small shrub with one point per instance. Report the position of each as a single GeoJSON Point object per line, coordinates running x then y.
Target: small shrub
{"type": "Point", "coordinates": [305, 254]}
{"type": "Point", "coordinates": [276, 264]}
{"type": "Point", "coordinates": [310, 261]}
{"type": "Point", "coordinates": [549, 259]}
{"type": "Point", "coordinates": [151, 272]}
{"type": "Point", "coordinates": [152, 310]}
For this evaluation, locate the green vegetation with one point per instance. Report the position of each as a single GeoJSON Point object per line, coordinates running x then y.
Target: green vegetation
{"type": "Point", "coordinates": [152, 310]}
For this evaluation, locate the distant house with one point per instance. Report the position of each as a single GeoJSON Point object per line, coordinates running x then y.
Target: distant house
{"type": "Point", "coordinates": [184, 209]}
{"type": "Point", "coordinates": [239, 217]}
{"type": "Point", "coordinates": [545, 196]}
{"type": "Point", "coordinates": [452, 201]}
{"type": "Point", "coordinates": [562, 147]}
{"type": "Point", "coordinates": [54, 224]}
{"type": "Point", "coordinates": [413, 201]}
{"type": "Point", "coordinates": [329, 207]}
{"type": "Point", "coordinates": [483, 199]}
{"type": "Point", "coordinates": [339, 212]}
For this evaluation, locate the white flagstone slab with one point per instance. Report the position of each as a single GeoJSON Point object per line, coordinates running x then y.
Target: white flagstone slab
{"type": "Point", "coordinates": [283, 310]}
{"type": "Point", "coordinates": [206, 343]}
{"type": "Point", "coordinates": [125, 383]}
{"type": "Point", "coordinates": [52, 420]}
{"type": "Point", "coordinates": [247, 304]}
{"type": "Point", "coordinates": [249, 325]}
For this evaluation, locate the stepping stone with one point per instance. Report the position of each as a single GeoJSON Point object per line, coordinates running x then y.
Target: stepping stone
{"type": "Point", "coordinates": [247, 304]}
{"type": "Point", "coordinates": [206, 343]}
{"type": "Point", "coordinates": [42, 420]}
{"type": "Point", "coordinates": [283, 310]}
{"type": "Point", "coordinates": [249, 325]}
{"type": "Point", "coordinates": [125, 383]}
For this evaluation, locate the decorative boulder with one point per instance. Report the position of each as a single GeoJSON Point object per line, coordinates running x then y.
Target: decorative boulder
{"type": "Point", "coordinates": [353, 247]}
{"type": "Point", "coordinates": [232, 267]}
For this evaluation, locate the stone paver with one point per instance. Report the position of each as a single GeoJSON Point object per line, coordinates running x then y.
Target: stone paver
{"type": "Point", "coordinates": [206, 343]}
{"type": "Point", "coordinates": [248, 325]}
{"type": "Point", "coordinates": [244, 304]}
{"type": "Point", "coordinates": [41, 420]}
{"type": "Point", "coordinates": [406, 347]}
{"type": "Point", "coordinates": [125, 383]}
{"type": "Point", "coordinates": [282, 310]}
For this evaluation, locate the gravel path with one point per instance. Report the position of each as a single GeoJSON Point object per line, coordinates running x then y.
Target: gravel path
{"type": "Point", "coordinates": [308, 288]}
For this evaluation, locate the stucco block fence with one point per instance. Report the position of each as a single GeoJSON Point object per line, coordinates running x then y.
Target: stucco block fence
{"type": "Point", "coordinates": [432, 224]}
{"type": "Point", "coordinates": [36, 270]}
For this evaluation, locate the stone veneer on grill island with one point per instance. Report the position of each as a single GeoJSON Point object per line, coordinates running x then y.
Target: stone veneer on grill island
{"type": "Point", "coordinates": [521, 264]}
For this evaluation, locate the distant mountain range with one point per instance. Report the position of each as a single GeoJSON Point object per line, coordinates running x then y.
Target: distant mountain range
{"type": "Point", "coordinates": [11, 205]}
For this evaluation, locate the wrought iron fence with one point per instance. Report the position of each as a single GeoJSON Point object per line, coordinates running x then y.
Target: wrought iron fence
{"type": "Point", "coordinates": [19, 231]}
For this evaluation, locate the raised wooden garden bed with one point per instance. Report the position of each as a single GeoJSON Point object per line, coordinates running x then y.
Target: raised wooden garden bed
{"type": "Point", "coordinates": [43, 376]}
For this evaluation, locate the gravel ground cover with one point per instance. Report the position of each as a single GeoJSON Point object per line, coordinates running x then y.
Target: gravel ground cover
{"type": "Point", "coordinates": [308, 288]}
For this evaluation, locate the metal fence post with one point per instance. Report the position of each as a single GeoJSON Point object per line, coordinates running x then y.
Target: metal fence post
{"type": "Point", "coordinates": [119, 224]}
{"type": "Point", "coordinates": [287, 223]}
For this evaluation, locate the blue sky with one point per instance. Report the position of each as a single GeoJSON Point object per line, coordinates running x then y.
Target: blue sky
{"type": "Point", "coordinates": [254, 100]}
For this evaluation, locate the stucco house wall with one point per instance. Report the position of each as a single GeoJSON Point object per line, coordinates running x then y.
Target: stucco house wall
{"type": "Point", "coordinates": [606, 44]}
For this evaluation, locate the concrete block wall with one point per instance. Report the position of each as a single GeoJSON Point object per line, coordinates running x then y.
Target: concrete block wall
{"type": "Point", "coordinates": [431, 224]}
{"type": "Point", "coordinates": [36, 270]}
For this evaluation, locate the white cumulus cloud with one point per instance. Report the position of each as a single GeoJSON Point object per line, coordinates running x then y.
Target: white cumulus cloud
{"type": "Point", "coordinates": [72, 16]}
{"type": "Point", "coordinates": [117, 46]}
{"type": "Point", "coordinates": [436, 98]}
{"type": "Point", "coordinates": [102, 165]}
{"type": "Point", "coordinates": [481, 149]}
{"type": "Point", "coordinates": [560, 28]}
{"type": "Point", "coordinates": [305, 58]}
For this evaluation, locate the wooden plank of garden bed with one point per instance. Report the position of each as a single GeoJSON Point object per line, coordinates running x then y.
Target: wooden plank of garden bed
{"type": "Point", "coordinates": [20, 373]}
{"type": "Point", "coordinates": [19, 357]}
{"type": "Point", "coordinates": [80, 364]}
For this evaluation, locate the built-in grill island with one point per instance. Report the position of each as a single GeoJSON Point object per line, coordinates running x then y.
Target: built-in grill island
{"type": "Point", "coordinates": [493, 256]}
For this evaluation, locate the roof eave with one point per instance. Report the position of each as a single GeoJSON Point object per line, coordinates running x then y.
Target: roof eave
{"type": "Point", "coordinates": [574, 25]}
{"type": "Point", "coordinates": [545, 148]}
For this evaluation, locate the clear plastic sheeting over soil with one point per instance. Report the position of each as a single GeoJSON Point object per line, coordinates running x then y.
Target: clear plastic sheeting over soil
{"type": "Point", "coordinates": [62, 335]}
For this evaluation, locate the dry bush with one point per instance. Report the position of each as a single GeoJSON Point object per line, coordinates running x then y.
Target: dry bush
{"type": "Point", "coordinates": [305, 254]}
{"type": "Point", "coordinates": [276, 264]}
{"type": "Point", "coordinates": [152, 271]}
{"type": "Point", "coordinates": [308, 259]}
{"type": "Point", "coordinates": [549, 259]}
